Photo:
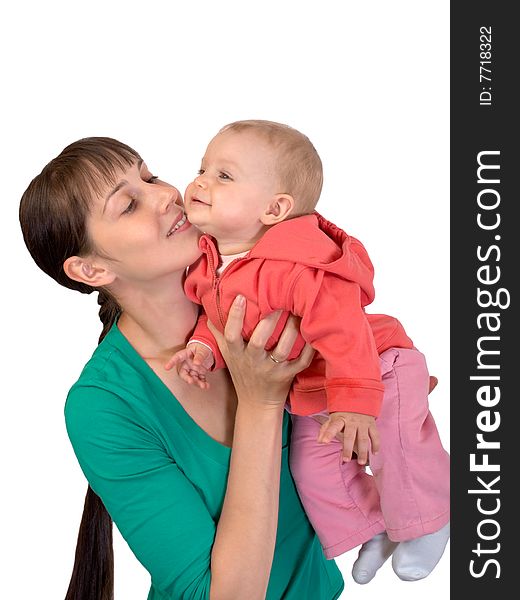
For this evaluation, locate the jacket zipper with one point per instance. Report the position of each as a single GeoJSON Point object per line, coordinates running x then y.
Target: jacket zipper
{"type": "Point", "coordinates": [216, 284]}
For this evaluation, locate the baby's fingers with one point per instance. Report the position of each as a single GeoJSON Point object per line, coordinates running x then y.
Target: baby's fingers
{"type": "Point", "coordinates": [199, 381]}
{"type": "Point", "coordinates": [362, 447]}
{"type": "Point", "coordinates": [184, 374]}
{"type": "Point", "coordinates": [192, 377]}
{"type": "Point", "coordinates": [176, 359]}
{"type": "Point", "coordinates": [349, 438]}
{"type": "Point", "coordinates": [374, 439]}
{"type": "Point", "coordinates": [200, 357]}
{"type": "Point", "coordinates": [171, 363]}
{"type": "Point", "coordinates": [329, 430]}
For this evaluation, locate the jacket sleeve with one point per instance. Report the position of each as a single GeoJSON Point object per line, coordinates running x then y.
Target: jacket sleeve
{"type": "Point", "coordinates": [155, 507]}
{"type": "Point", "coordinates": [334, 323]}
{"type": "Point", "coordinates": [202, 334]}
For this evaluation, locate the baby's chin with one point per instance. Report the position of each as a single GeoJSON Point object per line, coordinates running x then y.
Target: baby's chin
{"type": "Point", "coordinates": [199, 223]}
{"type": "Point", "coordinates": [192, 216]}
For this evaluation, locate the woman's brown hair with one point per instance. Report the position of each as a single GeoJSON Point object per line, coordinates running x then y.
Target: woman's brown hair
{"type": "Point", "coordinates": [53, 215]}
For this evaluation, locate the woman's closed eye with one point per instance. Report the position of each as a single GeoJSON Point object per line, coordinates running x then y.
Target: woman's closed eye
{"type": "Point", "coordinates": [131, 207]}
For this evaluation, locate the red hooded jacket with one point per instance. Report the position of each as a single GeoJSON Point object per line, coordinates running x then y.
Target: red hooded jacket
{"type": "Point", "coordinates": [311, 268]}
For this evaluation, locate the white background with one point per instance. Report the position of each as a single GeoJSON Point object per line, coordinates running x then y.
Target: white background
{"type": "Point", "coordinates": [366, 81]}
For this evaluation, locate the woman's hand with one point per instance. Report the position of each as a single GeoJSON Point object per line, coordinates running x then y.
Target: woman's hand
{"type": "Point", "coordinates": [257, 377]}
{"type": "Point", "coordinates": [246, 531]}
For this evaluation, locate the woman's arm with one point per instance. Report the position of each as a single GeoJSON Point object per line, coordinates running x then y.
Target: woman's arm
{"type": "Point", "coordinates": [159, 511]}
{"type": "Point", "coordinates": [246, 533]}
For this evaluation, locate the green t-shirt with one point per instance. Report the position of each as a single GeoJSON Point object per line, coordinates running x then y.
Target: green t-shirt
{"type": "Point", "coordinates": [163, 481]}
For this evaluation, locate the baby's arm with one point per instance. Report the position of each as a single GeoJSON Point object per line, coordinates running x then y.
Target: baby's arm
{"type": "Point", "coordinates": [200, 356]}
{"type": "Point", "coordinates": [193, 363]}
{"type": "Point", "coordinates": [334, 323]}
{"type": "Point", "coordinates": [203, 335]}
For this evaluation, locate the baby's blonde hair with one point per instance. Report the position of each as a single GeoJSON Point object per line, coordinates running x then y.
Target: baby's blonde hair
{"type": "Point", "coordinates": [298, 164]}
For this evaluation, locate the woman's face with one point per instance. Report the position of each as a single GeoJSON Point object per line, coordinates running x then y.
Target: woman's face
{"type": "Point", "coordinates": [139, 228]}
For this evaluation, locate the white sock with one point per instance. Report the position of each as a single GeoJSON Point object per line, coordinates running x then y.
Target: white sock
{"type": "Point", "coordinates": [416, 559]}
{"type": "Point", "coordinates": [372, 555]}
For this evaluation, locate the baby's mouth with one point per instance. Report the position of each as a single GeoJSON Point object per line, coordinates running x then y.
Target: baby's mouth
{"type": "Point", "coordinates": [196, 200]}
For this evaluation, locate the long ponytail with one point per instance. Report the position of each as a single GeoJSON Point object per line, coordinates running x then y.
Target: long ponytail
{"type": "Point", "coordinates": [93, 572]}
{"type": "Point", "coordinates": [53, 215]}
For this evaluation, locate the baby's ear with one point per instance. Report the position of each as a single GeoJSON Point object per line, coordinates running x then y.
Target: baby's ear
{"type": "Point", "coordinates": [280, 207]}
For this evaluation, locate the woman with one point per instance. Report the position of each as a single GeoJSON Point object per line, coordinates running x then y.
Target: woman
{"type": "Point", "coordinates": [206, 520]}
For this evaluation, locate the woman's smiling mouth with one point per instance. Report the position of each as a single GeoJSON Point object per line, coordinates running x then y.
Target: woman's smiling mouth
{"type": "Point", "coordinates": [182, 221]}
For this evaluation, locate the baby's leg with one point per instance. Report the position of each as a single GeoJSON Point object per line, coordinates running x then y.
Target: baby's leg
{"type": "Point", "coordinates": [412, 468]}
{"type": "Point", "coordinates": [416, 559]}
{"type": "Point", "coordinates": [340, 499]}
{"type": "Point", "coordinates": [372, 556]}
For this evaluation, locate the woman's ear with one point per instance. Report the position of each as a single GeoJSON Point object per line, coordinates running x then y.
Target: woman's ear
{"type": "Point", "coordinates": [278, 209]}
{"type": "Point", "coordinates": [86, 271]}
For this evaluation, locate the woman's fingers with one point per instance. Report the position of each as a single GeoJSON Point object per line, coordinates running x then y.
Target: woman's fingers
{"type": "Point", "coordinates": [232, 343]}
{"type": "Point", "coordinates": [235, 322]}
{"type": "Point", "coordinates": [263, 332]}
{"type": "Point", "coordinates": [233, 329]}
{"type": "Point", "coordinates": [287, 338]}
{"type": "Point", "coordinates": [305, 358]}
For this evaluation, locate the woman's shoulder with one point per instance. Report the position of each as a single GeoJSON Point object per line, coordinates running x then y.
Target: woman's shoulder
{"type": "Point", "coordinates": [114, 376]}
{"type": "Point", "coordinates": [113, 400]}
{"type": "Point", "coordinates": [104, 365]}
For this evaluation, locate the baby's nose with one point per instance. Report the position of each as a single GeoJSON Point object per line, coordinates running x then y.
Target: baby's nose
{"type": "Point", "coordinates": [200, 180]}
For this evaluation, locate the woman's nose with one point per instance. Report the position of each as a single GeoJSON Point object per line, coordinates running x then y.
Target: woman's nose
{"type": "Point", "coordinates": [167, 199]}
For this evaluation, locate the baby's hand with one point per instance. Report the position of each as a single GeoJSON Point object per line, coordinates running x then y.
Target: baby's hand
{"type": "Point", "coordinates": [193, 363]}
{"type": "Point", "coordinates": [359, 433]}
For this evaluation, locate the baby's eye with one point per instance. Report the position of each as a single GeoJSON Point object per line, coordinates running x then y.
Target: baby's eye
{"type": "Point", "coordinates": [200, 172]}
{"type": "Point", "coordinates": [152, 179]}
{"type": "Point", "coordinates": [224, 176]}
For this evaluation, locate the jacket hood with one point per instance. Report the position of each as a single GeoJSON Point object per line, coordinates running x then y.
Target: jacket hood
{"type": "Point", "coordinates": [312, 241]}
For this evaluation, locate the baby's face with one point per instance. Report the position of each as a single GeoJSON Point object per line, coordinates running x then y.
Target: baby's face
{"type": "Point", "coordinates": [237, 181]}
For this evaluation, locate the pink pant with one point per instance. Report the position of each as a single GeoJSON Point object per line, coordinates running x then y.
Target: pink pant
{"type": "Point", "coordinates": [408, 493]}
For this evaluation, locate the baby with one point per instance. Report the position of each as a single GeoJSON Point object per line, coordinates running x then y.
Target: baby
{"type": "Point", "coordinates": [254, 198]}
